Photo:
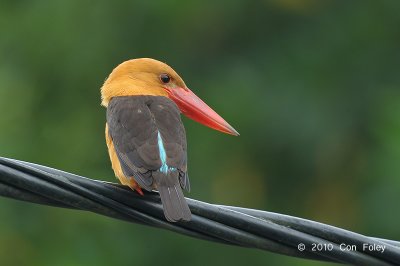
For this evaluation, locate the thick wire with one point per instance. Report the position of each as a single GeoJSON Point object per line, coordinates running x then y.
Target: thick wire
{"type": "Point", "coordinates": [224, 224]}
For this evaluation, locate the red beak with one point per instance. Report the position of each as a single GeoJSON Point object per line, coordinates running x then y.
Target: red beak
{"type": "Point", "coordinates": [194, 108]}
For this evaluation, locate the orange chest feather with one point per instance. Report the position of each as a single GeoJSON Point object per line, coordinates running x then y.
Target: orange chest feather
{"type": "Point", "coordinates": [116, 166]}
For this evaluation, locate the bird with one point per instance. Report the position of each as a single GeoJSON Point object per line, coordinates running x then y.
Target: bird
{"type": "Point", "coordinates": [145, 137]}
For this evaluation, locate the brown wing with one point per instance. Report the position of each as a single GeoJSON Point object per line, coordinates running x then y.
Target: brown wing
{"type": "Point", "coordinates": [150, 142]}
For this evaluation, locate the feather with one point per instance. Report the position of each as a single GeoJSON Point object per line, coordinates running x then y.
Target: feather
{"type": "Point", "coordinates": [150, 143]}
{"type": "Point", "coordinates": [172, 198]}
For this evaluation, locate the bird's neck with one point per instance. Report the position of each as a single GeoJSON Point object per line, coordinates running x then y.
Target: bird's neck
{"type": "Point", "coordinates": [128, 88]}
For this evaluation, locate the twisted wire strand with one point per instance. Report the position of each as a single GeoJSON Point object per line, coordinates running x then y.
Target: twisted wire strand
{"type": "Point", "coordinates": [230, 225]}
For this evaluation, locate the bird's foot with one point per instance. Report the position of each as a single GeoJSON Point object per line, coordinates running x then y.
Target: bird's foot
{"type": "Point", "coordinates": [135, 186]}
{"type": "Point", "coordinates": [139, 190]}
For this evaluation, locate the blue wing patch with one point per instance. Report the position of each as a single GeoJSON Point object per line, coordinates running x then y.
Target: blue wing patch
{"type": "Point", "coordinates": [163, 156]}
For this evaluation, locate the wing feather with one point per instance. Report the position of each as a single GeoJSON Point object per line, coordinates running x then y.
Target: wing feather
{"type": "Point", "coordinates": [134, 123]}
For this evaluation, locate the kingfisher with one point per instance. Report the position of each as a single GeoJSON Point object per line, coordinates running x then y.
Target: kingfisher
{"type": "Point", "coordinates": [145, 137]}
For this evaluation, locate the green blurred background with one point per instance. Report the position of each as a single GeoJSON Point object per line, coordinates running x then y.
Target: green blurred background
{"type": "Point", "coordinates": [312, 86]}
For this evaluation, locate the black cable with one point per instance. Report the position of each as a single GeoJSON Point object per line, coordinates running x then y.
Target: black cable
{"type": "Point", "coordinates": [224, 224]}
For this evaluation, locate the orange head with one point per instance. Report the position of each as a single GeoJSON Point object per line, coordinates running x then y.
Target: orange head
{"type": "Point", "coordinates": [146, 76]}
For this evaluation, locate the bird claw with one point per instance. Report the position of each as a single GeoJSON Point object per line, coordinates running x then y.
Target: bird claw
{"type": "Point", "coordinates": [139, 190]}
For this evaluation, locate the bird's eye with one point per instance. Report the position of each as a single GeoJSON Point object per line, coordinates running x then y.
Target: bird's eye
{"type": "Point", "coordinates": [165, 78]}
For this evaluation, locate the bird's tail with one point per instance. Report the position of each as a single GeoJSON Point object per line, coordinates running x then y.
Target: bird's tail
{"type": "Point", "coordinates": [174, 203]}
